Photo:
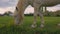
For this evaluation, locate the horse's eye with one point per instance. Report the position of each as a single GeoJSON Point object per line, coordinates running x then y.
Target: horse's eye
{"type": "Point", "coordinates": [16, 8]}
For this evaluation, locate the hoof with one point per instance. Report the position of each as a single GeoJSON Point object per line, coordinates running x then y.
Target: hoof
{"type": "Point", "coordinates": [42, 26]}
{"type": "Point", "coordinates": [33, 26]}
{"type": "Point", "coordinates": [58, 24]}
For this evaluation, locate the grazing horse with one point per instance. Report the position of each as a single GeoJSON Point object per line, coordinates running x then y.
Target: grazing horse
{"type": "Point", "coordinates": [37, 4]}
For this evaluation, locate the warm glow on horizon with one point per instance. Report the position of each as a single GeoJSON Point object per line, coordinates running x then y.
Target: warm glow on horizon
{"type": "Point", "coordinates": [28, 10]}
{"type": "Point", "coordinates": [2, 10]}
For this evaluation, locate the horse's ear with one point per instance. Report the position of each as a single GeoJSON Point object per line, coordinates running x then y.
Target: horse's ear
{"type": "Point", "coordinates": [16, 8]}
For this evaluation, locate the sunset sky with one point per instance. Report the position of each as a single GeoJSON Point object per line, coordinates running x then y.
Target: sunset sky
{"type": "Point", "coordinates": [9, 5]}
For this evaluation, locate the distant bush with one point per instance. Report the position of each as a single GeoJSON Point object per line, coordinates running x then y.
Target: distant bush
{"type": "Point", "coordinates": [56, 13]}
{"type": "Point", "coordinates": [31, 14]}
{"type": "Point", "coordinates": [8, 13]}
{"type": "Point", "coordinates": [47, 13]}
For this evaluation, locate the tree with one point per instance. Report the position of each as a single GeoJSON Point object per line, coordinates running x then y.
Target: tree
{"type": "Point", "coordinates": [8, 13]}
{"type": "Point", "coordinates": [57, 13]}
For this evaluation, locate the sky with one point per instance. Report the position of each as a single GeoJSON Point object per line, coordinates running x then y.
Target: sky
{"type": "Point", "coordinates": [9, 5]}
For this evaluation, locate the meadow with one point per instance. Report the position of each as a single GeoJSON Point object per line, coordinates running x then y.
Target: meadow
{"type": "Point", "coordinates": [51, 26]}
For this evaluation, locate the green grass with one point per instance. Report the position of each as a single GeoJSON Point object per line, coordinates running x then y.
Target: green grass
{"type": "Point", "coordinates": [51, 27]}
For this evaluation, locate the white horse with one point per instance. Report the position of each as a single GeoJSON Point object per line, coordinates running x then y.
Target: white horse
{"type": "Point", "coordinates": [37, 4]}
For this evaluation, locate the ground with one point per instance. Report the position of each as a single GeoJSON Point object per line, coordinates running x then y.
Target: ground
{"type": "Point", "coordinates": [7, 26]}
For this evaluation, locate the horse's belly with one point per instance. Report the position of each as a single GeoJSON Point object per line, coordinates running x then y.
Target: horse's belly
{"type": "Point", "coordinates": [47, 2]}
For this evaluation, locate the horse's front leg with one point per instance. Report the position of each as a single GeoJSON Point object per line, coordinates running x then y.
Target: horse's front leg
{"type": "Point", "coordinates": [40, 12]}
{"type": "Point", "coordinates": [36, 7]}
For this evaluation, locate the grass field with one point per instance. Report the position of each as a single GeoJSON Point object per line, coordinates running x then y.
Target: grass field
{"type": "Point", "coordinates": [51, 27]}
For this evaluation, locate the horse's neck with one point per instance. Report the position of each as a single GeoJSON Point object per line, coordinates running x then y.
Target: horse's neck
{"type": "Point", "coordinates": [20, 4]}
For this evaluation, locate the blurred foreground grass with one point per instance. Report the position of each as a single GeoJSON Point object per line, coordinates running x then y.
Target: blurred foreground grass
{"type": "Point", "coordinates": [7, 26]}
